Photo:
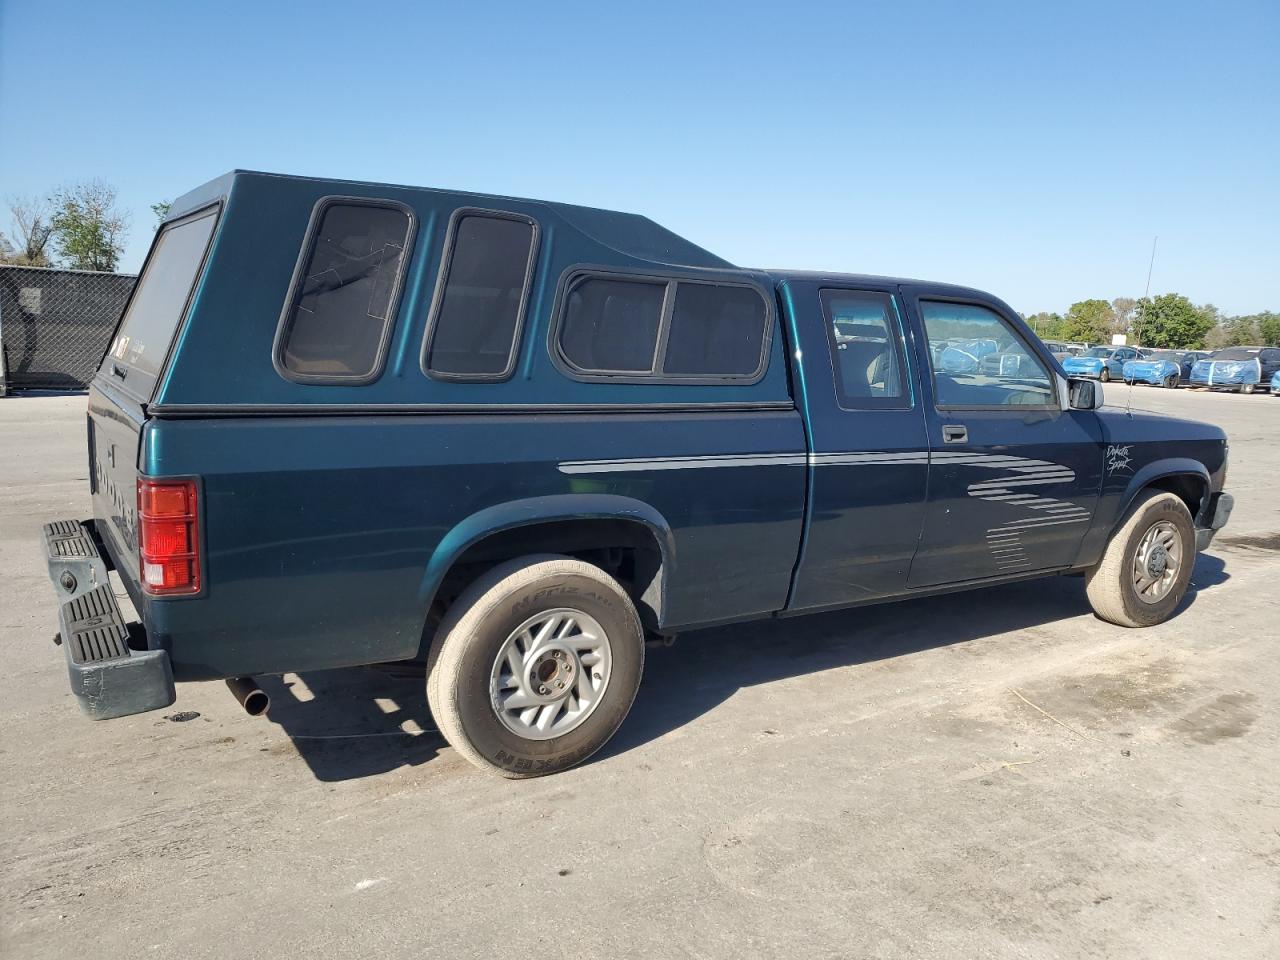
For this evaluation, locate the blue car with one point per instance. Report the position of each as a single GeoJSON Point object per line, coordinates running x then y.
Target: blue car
{"type": "Point", "coordinates": [1100, 363]}
{"type": "Point", "coordinates": [966, 356]}
{"type": "Point", "coordinates": [1242, 369]}
{"type": "Point", "coordinates": [1275, 384]}
{"type": "Point", "coordinates": [1162, 368]}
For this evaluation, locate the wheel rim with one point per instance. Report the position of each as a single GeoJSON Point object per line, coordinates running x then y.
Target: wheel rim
{"type": "Point", "coordinates": [550, 674]}
{"type": "Point", "coordinates": [1157, 561]}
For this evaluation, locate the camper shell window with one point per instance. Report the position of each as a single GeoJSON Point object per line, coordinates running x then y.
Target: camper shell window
{"type": "Point", "coordinates": [474, 326]}
{"type": "Point", "coordinates": [338, 316]}
{"type": "Point", "coordinates": [649, 329]}
{"type": "Point", "coordinates": [160, 301]}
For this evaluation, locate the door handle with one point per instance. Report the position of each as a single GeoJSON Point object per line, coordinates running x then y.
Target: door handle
{"type": "Point", "coordinates": [954, 433]}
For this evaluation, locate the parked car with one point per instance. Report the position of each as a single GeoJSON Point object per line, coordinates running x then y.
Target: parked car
{"type": "Point", "coordinates": [1165, 368]}
{"type": "Point", "coordinates": [1243, 369]}
{"type": "Point", "coordinates": [348, 423]}
{"type": "Point", "coordinates": [1100, 363]}
{"type": "Point", "coordinates": [1275, 384]}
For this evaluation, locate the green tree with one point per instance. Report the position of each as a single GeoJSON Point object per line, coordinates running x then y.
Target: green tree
{"type": "Point", "coordinates": [1089, 320]}
{"type": "Point", "coordinates": [1269, 327]}
{"type": "Point", "coordinates": [161, 210]}
{"type": "Point", "coordinates": [1172, 321]}
{"type": "Point", "coordinates": [1047, 326]}
{"type": "Point", "coordinates": [1249, 330]}
{"type": "Point", "coordinates": [88, 230]}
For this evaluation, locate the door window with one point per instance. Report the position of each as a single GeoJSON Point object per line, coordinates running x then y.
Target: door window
{"type": "Point", "coordinates": [979, 360]}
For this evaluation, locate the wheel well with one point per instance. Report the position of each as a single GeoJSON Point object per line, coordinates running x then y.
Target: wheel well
{"type": "Point", "coordinates": [1188, 488]}
{"type": "Point", "coordinates": [625, 549]}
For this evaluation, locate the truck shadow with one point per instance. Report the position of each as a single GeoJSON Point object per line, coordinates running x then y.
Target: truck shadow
{"type": "Point", "coordinates": [348, 724]}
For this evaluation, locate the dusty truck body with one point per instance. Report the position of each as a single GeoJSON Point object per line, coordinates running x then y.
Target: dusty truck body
{"type": "Point", "coordinates": [347, 423]}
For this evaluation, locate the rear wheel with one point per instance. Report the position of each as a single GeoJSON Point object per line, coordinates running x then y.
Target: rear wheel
{"type": "Point", "coordinates": [535, 666]}
{"type": "Point", "coordinates": [1247, 388]}
{"type": "Point", "coordinates": [1105, 375]}
{"type": "Point", "coordinates": [1146, 566]}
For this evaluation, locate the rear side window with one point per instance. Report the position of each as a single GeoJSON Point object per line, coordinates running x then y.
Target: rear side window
{"type": "Point", "coordinates": [481, 297]}
{"type": "Point", "coordinates": [645, 328]}
{"type": "Point", "coordinates": [337, 320]}
{"type": "Point", "coordinates": [611, 326]}
{"type": "Point", "coordinates": [865, 337]}
{"type": "Point", "coordinates": [716, 330]}
{"type": "Point", "coordinates": [160, 301]}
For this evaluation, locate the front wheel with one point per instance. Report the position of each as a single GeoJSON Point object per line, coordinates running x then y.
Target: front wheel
{"type": "Point", "coordinates": [1105, 375]}
{"type": "Point", "coordinates": [1147, 563]}
{"type": "Point", "coordinates": [1247, 389]}
{"type": "Point", "coordinates": [1171, 382]}
{"type": "Point", "coordinates": [535, 666]}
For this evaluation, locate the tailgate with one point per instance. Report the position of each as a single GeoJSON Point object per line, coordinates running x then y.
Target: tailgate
{"type": "Point", "coordinates": [115, 429]}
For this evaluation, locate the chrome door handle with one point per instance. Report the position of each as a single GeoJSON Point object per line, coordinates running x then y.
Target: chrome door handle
{"type": "Point", "coordinates": [954, 433]}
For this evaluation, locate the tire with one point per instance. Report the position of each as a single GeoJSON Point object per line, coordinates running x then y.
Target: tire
{"type": "Point", "coordinates": [1105, 375]}
{"type": "Point", "coordinates": [1111, 586]}
{"type": "Point", "coordinates": [469, 658]}
{"type": "Point", "coordinates": [1171, 382]}
{"type": "Point", "coordinates": [1246, 389]}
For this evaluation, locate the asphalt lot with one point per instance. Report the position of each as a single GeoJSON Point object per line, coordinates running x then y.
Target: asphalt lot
{"type": "Point", "coordinates": [992, 774]}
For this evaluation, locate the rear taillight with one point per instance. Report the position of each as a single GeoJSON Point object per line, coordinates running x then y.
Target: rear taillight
{"type": "Point", "coordinates": [168, 536]}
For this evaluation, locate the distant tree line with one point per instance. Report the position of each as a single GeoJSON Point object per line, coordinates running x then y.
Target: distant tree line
{"type": "Point", "coordinates": [1168, 320]}
{"type": "Point", "coordinates": [77, 226]}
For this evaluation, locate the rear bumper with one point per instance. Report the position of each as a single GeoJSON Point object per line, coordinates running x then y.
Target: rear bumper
{"type": "Point", "coordinates": [1215, 518]}
{"type": "Point", "coordinates": [111, 672]}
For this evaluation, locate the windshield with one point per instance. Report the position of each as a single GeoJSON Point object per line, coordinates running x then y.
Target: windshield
{"type": "Point", "coordinates": [1103, 352]}
{"type": "Point", "coordinates": [159, 301]}
{"type": "Point", "coordinates": [1162, 355]}
{"type": "Point", "coordinates": [1236, 353]}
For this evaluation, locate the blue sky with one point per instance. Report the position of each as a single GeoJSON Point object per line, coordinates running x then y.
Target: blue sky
{"type": "Point", "coordinates": [1032, 149]}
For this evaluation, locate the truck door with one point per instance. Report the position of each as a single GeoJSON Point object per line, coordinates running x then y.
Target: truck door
{"type": "Point", "coordinates": [869, 455]}
{"type": "Point", "coordinates": [1014, 475]}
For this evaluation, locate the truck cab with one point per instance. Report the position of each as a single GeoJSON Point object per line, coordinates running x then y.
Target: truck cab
{"type": "Point", "coordinates": [349, 423]}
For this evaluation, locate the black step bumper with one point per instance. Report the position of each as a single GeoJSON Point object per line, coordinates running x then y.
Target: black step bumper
{"type": "Point", "coordinates": [111, 672]}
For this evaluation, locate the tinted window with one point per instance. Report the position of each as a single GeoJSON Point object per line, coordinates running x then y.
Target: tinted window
{"type": "Point", "coordinates": [485, 283]}
{"type": "Point", "coordinates": [979, 361]}
{"type": "Point", "coordinates": [716, 330]}
{"type": "Point", "coordinates": [158, 303]}
{"type": "Point", "coordinates": [343, 299]}
{"type": "Point", "coordinates": [612, 325]}
{"type": "Point", "coordinates": [866, 349]}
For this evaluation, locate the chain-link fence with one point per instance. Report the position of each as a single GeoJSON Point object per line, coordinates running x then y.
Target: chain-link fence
{"type": "Point", "coordinates": [55, 325]}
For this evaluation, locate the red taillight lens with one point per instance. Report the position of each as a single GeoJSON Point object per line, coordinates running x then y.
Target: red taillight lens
{"type": "Point", "coordinates": [168, 536]}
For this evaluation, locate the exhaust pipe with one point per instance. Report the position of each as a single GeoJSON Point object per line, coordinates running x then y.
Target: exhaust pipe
{"type": "Point", "coordinates": [251, 696]}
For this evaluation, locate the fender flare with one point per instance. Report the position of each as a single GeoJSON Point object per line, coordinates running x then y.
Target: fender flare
{"type": "Point", "coordinates": [532, 510]}
{"type": "Point", "coordinates": [1158, 469]}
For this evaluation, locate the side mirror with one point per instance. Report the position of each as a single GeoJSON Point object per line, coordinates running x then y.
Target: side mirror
{"type": "Point", "coordinates": [1084, 394]}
